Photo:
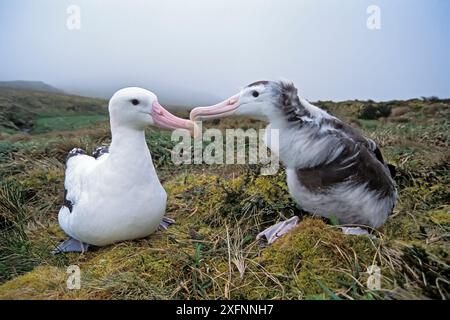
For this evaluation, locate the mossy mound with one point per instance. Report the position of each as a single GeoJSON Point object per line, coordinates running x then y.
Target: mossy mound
{"type": "Point", "coordinates": [249, 198]}
{"type": "Point", "coordinates": [316, 257]}
{"type": "Point", "coordinates": [45, 282]}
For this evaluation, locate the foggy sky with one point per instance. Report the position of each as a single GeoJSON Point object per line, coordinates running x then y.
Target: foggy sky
{"type": "Point", "coordinates": [193, 52]}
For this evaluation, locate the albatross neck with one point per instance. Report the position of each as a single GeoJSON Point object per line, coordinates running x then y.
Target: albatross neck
{"type": "Point", "coordinates": [128, 144]}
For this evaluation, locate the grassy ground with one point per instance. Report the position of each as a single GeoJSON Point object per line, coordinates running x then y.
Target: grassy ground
{"type": "Point", "coordinates": [211, 252]}
{"type": "Point", "coordinates": [38, 112]}
{"type": "Point", "coordinates": [75, 122]}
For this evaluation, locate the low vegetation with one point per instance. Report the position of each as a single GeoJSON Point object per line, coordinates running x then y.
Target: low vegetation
{"type": "Point", "coordinates": [38, 112]}
{"type": "Point", "coordinates": [211, 252]}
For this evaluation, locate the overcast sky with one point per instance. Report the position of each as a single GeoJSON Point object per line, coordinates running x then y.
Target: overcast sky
{"type": "Point", "coordinates": [197, 51]}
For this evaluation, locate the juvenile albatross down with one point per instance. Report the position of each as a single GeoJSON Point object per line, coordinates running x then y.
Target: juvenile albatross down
{"type": "Point", "coordinates": [115, 194]}
{"type": "Point", "coordinates": [332, 169]}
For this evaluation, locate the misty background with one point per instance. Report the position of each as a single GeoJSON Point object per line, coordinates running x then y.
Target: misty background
{"type": "Point", "coordinates": [198, 51]}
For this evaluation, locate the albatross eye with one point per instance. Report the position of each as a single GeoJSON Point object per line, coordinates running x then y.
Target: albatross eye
{"type": "Point", "coordinates": [135, 102]}
{"type": "Point", "coordinates": [255, 94]}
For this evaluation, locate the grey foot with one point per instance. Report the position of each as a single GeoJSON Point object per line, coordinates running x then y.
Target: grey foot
{"type": "Point", "coordinates": [100, 151]}
{"type": "Point", "coordinates": [277, 230]}
{"type": "Point", "coordinates": [166, 223]}
{"type": "Point", "coordinates": [356, 231]}
{"type": "Point", "coordinates": [71, 245]}
{"type": "Point", "coordinates": [75, 152]}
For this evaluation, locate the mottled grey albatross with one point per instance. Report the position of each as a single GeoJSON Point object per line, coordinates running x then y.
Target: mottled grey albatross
{"type": "Point", "coordinates": [332, 169]}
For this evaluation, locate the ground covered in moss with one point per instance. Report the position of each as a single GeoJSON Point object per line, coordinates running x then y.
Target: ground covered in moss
{"type": "Point", "coordinates": [211, 252]}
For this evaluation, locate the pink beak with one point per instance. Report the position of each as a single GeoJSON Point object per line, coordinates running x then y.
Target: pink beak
{"type": "Point", "coordinates": [220, 110]}
{"type": "Point", "coordinates": [164, 119]}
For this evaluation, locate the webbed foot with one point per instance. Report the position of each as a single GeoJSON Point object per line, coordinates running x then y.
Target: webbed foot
{"type": "Point", "coordinates": [355, 231]}
{"type": "Point", "coordinates": [71, 245]}
{"type": "Point", "coordinates": [166, 223]}
{"type": "Point", "coordinates": [274, 232]}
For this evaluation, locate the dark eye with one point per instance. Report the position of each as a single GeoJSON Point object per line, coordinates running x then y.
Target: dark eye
{"type": "Point", "coordinates": [255, 94]}
{"type": "Point", "coordinates": [135, 102]}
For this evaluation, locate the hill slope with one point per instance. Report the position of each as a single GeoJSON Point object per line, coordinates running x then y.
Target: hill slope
{"type": "Point", "coordinates": [23, 110]}
{"type": "Point", "coordinates": [30, 85]}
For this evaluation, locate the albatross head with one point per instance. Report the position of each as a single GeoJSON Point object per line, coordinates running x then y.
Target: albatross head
{"type": "Point", "coordinates": [138, 108]}
{"type": "Point", "coordinates": [261, 100]}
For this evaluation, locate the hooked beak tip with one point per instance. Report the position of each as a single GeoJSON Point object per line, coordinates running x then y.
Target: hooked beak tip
{"type": "Point", "coordinates": [220, 110]}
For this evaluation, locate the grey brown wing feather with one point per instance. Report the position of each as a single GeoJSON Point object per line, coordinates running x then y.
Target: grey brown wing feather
{"type": "Point", "coordinates": [100, 151]}
{"type": "Point", "coordinates": [371, 145]}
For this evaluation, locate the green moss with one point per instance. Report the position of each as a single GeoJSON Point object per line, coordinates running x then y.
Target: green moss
{"type": "Point", "coordinates": [129, 256]}
{"type": "Point", "coordinates": [257, 200]}
{"type": "Point", "coordinates": [440, 216]}
{"type": "Point", "coordinates": [314, 256]}
{"type": "Point", "coordinates": [45, 282]}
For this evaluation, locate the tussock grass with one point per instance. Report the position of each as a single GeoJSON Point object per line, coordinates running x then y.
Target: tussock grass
{"type": "Point", "coordinates": [15, 248]}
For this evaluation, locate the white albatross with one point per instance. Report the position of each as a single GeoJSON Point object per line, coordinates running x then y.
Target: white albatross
{"type": "Point", "coordinates": [332, 169]}
{"type": "Point", "coordinates": [115, 194]}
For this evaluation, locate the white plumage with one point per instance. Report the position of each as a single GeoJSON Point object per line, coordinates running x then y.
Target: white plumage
{"type": "Point", "coordinates": [117, 195]}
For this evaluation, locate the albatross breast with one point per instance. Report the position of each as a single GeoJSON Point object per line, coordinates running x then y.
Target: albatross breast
{"type": "Point", "coordinates": [116, 203]}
